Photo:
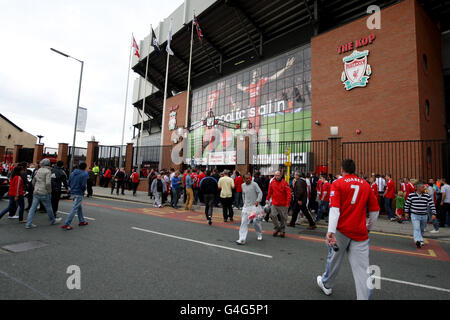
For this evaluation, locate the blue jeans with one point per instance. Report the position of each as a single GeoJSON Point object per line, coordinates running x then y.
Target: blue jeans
{"type": "Point", "coordinates": [174, 201]}
{"type": "Point", "coordinates": [388, 205]}
{"type": "Point", "coordinates": [323, 208]}
{"type": "Point", "coordinates": [46, 201]}
{"type": "Point", "coordinates": [446, 214]}
{"type": "Point", "coordinates": [238, 203]}
{"type": "Point", "coordinates": [12, 207]}
{"type": "Point", "coordinates": [419, 224]}
{"type": "Point", "coordinates": [435, 221]}
{"type": "Point", "coordinates": [77, 208]}
{"type": "Point", "coordinates": [196, 196]}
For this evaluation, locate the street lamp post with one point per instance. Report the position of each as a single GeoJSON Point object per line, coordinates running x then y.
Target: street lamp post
{"type": "Point", "coordinates": [78, 105]}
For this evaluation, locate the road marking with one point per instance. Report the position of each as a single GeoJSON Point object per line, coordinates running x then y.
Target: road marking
{"type": "Point", "coordinates": [404, 236]}
{"type": "Point", "coordinates": [436, 252]}
{"type": "Point", "coordinates": [413, 284]}
{"type": "Point", "coordinates": [120, 200]}
{"type": "Point", "coordinates": [26, 285]}
{"type": "Point", "coordinates": [67, 213]}
{"type": "Point", "coordinates": [431, 253]}
{"type": "Point", "coordinates": [204, 243]}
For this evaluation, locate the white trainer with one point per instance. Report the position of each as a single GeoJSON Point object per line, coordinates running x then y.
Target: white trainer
{"type": "Point", "coordinates": [259, 237]}
{"type": "Point", "coordinates": [434, 231]}
{"type": "Point", "coordinates": [321, 286]}
{"type": "Point", "coordinates": [14, 217]}
{"type": "Point", "coordinates": [57, 220]}
{"type": "Point", "coordinates": [240, 242]}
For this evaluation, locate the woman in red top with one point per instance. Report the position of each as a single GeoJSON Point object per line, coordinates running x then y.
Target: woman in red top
{"type": "Point", "coordinates": [389, 195]}
{"type": "Point", "coordinates": [135, 181]}
{"type": "Point", "coordinates": [374, 186]}
{"type": "Point", "coordinates": [15, 195]}
{"type": "Point", "coordinates": [238, 181]}
{"type": "Point", "coordinates": [107, 177]}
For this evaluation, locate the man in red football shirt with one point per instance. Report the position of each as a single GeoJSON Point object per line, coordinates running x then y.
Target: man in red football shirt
{"type": "Point", "coordinates": [135, 181]}
{"type": "Point", "coordinates": [409, 188]}
{"type": "Point", "coordinates": [403, 185]}
{"type": "Point", "coordinates": [324, 198]}
{"type": "Point", "coordinates": [389, 196]}
{"type": "Point", "coordinates": [238, 200]}
{"type": "Point", "coordinates": [255, 89]}
{"type": "Point", "coordinates": [348, 229]}
{"type": "Point", "coordinates": [374, 187]}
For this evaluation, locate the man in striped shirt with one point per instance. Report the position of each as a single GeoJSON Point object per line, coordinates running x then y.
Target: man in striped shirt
{"type": "Point", "coordinates": [417, 205]}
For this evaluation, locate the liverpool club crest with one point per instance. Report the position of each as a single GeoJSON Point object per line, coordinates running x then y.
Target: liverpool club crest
{"type": "Point", "coordinates": [172, 120]}
{"type": "Point", "coordinates": [356, 70]}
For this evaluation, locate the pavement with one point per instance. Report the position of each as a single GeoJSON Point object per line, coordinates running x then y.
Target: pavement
{"type": "Point", "coordinates": [131, 250]}
{"type": "Point", "coordinates": [383, 225]}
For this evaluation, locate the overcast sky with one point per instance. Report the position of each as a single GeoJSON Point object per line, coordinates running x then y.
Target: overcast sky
{"type": "Point", "coordinates": [38, 88]}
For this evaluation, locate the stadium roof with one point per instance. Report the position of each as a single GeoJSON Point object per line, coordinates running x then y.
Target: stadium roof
{"type": "Point", "coordinates": [240, 33]}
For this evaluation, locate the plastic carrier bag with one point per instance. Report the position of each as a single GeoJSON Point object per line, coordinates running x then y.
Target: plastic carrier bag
{"type": "Point", "coordinates": [255, 213]}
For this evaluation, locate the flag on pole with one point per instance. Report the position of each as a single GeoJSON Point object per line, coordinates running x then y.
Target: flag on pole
{"type": "Point", "coordinates": [155, 43]}
{"type": "Point", "coordinates": [82, 119]}
{"type": "Point", "coordinates": [135, 46]}
{"type": "Point", "coordinates": [169, 40]}
{"type": "Point", "coordinates": [199, 30]}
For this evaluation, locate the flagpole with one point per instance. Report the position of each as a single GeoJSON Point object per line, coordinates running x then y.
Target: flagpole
{"type": "Point", "coordinates": [141, 133]}
{"type": "Point", "coordinates": [189, 77]}
{"type": "Point", "coordinates": [126, 100]}
{"type": "Point", "coordinates": [164, 107]}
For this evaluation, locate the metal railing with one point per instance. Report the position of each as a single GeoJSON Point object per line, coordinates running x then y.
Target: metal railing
{"type": "Point", "coordinates": [109, 156]}
{"type": "Point", "coordinates": [50, 152]}
{"type": "Point", "coordinates": [418, 159]}
{"type": "Point", "coordinates": [150, 155]}
{"type": "Point", "coordinates": [79, 155]}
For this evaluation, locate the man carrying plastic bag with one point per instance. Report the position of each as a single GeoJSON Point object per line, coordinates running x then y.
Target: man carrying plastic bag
{"type": "Point", "coordinates": [251, 212]}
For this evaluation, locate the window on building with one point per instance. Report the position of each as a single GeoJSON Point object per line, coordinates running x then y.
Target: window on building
{"type": "Point", "coordinates": [427, 109]}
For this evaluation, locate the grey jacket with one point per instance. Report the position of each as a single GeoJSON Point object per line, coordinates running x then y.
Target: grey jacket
{"type": "Point", "coordinates": [251, 193]}
{"type": "Point", "coordinates": [42, 181]}
{"type": "Point", "coordinates": [154, 188]}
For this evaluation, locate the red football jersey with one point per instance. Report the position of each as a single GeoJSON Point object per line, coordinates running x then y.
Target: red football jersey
{"type": "Point", "coordinates": [135, 177]}
{"type": "Point", "coordinates": [238, 181]}
{"type": "Point", "coordinates": [390, 190]}
{"type": "Point", "coordinates": [254, 90]}
{"type": "Point", "coordinates": [318, 187]}
{"type": "Point", "coordinates": [352, 195]}
{"type": "Point", "coordinates": [409, 189]}
{"type": "Point", "coordinates": [325, 187]}
{"type": "Point", "coordinates": [375, 189]}
{"type": "Point", "coordinates": [403, 187]}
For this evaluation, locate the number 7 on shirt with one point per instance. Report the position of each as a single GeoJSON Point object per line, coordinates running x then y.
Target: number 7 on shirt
{"type": "Point", "coordinates": [355, 194]}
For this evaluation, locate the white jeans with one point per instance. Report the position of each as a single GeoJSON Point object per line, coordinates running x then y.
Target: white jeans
{"type": "Point", "coordinates": [244, 226]}
{"type": "Point", "coordinates": [158, 196]}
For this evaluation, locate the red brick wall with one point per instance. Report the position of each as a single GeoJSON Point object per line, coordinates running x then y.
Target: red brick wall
{"type": "Point", "coordinates": [431, 86]}
{"type": "Point", "coordinates": [63, 149]}
{"type": "Point", "coordinates": [388, 108]}
{"type": "Point", "coordinates": [180, 101]}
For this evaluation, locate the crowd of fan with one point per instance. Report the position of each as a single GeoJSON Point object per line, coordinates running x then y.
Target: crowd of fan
{"type": "Point", "coordinates": [173, 183]}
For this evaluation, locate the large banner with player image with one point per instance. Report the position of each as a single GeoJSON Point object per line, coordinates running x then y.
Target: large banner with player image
{"type": "Point", "coordinates": [272, 99]}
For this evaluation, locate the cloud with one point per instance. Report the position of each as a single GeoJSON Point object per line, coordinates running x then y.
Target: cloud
{"type": "Point", "coordinates": [38, 88]}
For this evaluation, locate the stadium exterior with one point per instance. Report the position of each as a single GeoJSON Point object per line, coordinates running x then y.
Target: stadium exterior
{"type": "Point", "coordinates": [310, 77]}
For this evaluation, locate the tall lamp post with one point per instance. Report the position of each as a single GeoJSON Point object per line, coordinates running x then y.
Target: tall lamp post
{"type": "Point", "coordinates": [78, 105]}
